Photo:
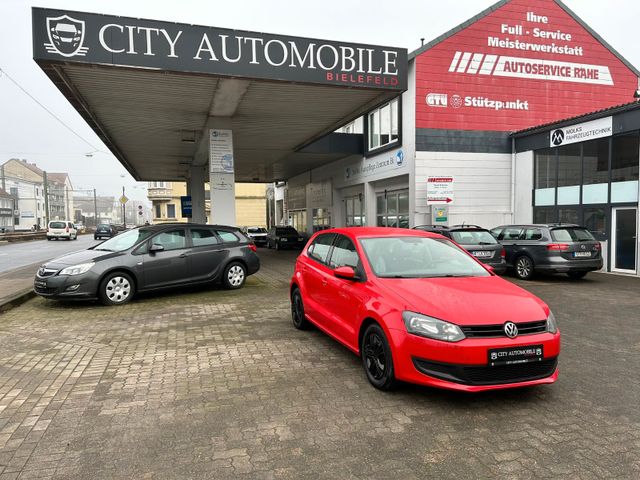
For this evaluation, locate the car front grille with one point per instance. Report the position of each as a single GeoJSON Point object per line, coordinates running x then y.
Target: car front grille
{"type": "Point", "coordinates": [484, 331]}
{"type": "Point", "coordinates": [487, 375]}
{"type": "Point", "coordinates": [46, 272]}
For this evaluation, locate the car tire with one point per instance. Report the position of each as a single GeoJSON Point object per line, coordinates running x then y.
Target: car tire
{"type": "Point", "coordinates": [117, 288]}
{"type": "Point", "coordinates": [278, 246]}
{"type": "Point", "coordinates": [49, 239]}
{"type": "Point", "coordinates": [377, 360]}
{"type": "Point", "coordinates": [234, 276]}
{"type": "Point", "coordinates": [95, 238]}
{"type": "Point", "coordinates": [576, 275]}
{"type": "Point", "coordinates": [524, 267]}
{"type": "Point", "coordinates": [297, 311]}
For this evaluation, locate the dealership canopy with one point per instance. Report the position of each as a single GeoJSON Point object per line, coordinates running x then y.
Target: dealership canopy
{"type": "Point", "coordinates": [152, 89]}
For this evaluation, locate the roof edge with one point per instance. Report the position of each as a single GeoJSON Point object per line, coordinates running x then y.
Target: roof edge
{"type": "Point", "coordinates": [584, 25]}
{"type": "Point", "coordinates": [457, 29]}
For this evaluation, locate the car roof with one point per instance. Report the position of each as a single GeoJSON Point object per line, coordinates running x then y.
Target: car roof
{"type": "Point", "coordinates": [540, 225]}
{"type": "Point", "coordinates": [361, 232]}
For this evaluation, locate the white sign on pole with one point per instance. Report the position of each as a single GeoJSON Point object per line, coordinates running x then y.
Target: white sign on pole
{"type": "Point", "coordinates": [220, 151]}
{"type": "Point", "coordinates": [439, 190]}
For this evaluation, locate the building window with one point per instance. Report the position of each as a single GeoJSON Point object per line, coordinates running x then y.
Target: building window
{"type": "Point", "coordinates": [625, 150]}
{"type": "Point", "coordinates": [321, 219]}
{"type": "Point", "coordinates": [354, 207]}
{"type": "Point", "coordinates": [158, 210]}
{"type": "Point", "coordinates": [383, 126]}
{"type": "Point", "coordinates": [569, 174]}
{"type": "Point", "coordinates": [545, 181]}
{"type": "Point", "coordinates": [171, 210]}
{"type": "Point", "coordinates": [298, 220]}
{"type": "Point", "coordinates": [392, 209]}
{"type": "Point", "coordinates": [595, 171]}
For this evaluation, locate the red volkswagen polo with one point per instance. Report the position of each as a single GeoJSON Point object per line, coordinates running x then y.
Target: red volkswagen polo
{"type": "Point", "coordinates": [417, 307]}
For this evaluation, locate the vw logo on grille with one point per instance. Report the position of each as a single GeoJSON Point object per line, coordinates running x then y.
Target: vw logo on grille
{"type": "Point", "coordinates": [510, 330]}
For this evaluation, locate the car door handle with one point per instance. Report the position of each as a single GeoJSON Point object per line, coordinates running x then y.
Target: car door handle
{"type": "Point", "coordinates": [324, 283]}
{"type": "Point", "coordinates": [183, 255]}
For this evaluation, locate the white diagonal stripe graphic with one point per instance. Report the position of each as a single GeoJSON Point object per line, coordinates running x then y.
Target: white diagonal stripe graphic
{"type": "Point", "coordinates": [464, 62]}
{"type": "Point", "coordinates": [454, 62]}
{"type": "Point", "coordinates": [488, 64]}
{"type": "Point", "coordinates": [475, 63]}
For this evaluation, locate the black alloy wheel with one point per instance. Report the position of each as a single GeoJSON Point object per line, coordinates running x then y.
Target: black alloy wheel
{"type": "Point", "coordinates": [524, 268]}
{"type": "Point", "coordinates": [376, 358]}
{"type": "Point", "coordinates": [297, 311]}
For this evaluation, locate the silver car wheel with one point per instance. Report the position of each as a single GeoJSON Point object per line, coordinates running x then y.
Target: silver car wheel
{"type": "Point", "coordinates": [235, 275]}
{"type": "Point", "coordinates": [118, 289]}
{"type": "Point", "coordinates": [524, 267]}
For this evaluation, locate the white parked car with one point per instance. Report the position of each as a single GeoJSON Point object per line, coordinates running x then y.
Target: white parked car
{"type": "Point", "coordinates": [257, 234]}
{"type": "Point", "coordinates": [61, 229]}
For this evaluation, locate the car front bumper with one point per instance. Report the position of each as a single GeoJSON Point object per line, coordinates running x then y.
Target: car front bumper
{"type": "Point", "coordinates": [465, 365]}
{"type": "Point", "coordinates": [80, 287]}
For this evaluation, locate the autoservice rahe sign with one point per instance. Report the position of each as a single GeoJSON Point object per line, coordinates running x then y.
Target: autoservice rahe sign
{"type": "Point", "coordinates": [91, 38]}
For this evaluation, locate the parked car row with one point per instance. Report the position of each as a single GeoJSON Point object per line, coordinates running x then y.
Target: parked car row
{"type": "Point", "coordinates": [527, 249]}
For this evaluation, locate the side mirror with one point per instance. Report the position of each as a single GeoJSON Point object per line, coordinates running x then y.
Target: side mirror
{"type": "Point", "coordinates": [346, 272]}
{"type": "Point", "coordinates": [490, 269]}
{"type": "Point", "coordinates": [156, 248]}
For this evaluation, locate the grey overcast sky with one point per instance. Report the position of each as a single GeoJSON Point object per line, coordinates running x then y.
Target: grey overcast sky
{"type": "Point", "coordinates": [27, 131]}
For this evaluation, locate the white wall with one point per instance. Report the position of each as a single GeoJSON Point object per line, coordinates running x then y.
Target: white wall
{"type": "Point", "coordinates": [482, 186]}
{"type": "Point", "coordinates": [524, 188]}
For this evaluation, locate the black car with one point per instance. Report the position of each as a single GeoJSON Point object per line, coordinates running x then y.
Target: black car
{"type": "Point", "coordinates": [285, 237]}
{"type": "Point", "coordinates": [150, 258]}
{"type": "Point", "coordinates": [552, 248]}
{"type": "Point", "coordinates": [104, 230]}
{"type": "Point", "coordinates": [476, 240]}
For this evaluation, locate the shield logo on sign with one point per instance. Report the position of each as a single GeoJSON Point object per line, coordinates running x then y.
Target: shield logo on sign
{"type": "Point", "coordinates": [66, 36]}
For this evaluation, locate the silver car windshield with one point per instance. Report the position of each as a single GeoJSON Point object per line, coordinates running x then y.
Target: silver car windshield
{"type": "Point", "coordinates": [419, 257]}
{"type": "Point", "coordinates": [125, 240]}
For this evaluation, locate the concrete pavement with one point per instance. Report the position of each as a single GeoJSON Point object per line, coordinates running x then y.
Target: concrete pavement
{"type": "Point", "coordinates": [208, 383]}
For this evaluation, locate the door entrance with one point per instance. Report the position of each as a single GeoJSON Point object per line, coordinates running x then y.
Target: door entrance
{"type": "Point", "coordinates": [624, 240]}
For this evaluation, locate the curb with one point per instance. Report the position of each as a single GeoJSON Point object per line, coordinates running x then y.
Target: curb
{"type": "Point", "coordinates": [17, 299]}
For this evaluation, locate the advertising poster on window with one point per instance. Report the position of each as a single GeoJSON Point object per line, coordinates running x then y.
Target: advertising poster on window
{"type": "Point", "coordinates": [523, 64]}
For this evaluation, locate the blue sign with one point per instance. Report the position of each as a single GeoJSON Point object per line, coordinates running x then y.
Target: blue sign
{"type": "Point", "coordinates": [185, 206]}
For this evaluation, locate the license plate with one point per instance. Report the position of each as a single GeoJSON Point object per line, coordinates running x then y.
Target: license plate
{"type": "Point", "coordinates": [514, 355]}
{"type": "Point", "coordinates": [483, 254]}
{"type": "Point", "coordinates": [283, 240]}
{"type": "Point", "coordinates": [581, 254]}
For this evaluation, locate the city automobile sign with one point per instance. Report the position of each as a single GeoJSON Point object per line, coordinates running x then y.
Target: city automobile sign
{"type": "Point", "coordinates": [92, 38]}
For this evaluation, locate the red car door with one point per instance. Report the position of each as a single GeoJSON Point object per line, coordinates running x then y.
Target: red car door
{"type": "Point", "coordinates": [345, 297]}
{"type": "Point", "coordinates": [315, 276]}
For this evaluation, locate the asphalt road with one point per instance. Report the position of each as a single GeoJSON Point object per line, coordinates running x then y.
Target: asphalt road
{"type": "Point", "coordinates": [16, 255]}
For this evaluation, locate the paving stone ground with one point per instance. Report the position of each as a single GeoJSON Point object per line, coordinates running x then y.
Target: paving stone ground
{"type": "Point", "coordinates": [208, 383]}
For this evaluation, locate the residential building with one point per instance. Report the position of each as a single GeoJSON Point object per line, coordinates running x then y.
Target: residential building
{"type": "Point", "coordinates": [6, 212]}
{"type": "Point", "coordinates": [60, 192]}
{"type": "Point", "coordinates": [24, 182]}
{"type": "Point", "coordinates": [251, 204]}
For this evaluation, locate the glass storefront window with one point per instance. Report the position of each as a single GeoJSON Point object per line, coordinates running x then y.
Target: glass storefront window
{"type": "Point", "coordinates": [298, 220]}
{"type": "Point", "coordinates": [354, 211]}
{"type": "Point", "coordinates": [595, 219]}
{"type": "Point", "coordinates": [568, 215]}
{"type": "Point", "coordinates": [321, 219]}
{"type": "Point", "coordinates": [545, 181]}
{"type": "Point", "coordinates": [544, 215]}
{"type": "Point", "coordinates": [569, 174]}
{"type": "Point", "coordinates": [625, 150]}
{"type": "Point", "coordinates": [394, 210]}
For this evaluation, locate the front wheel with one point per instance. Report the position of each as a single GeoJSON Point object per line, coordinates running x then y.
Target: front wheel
{"type": "Point", "coordinates": [297, 311]}
{"type": "Point", "coordinates": [376, 358]}
{"type": "Point", "coordinates": [116, 289]}
{"type": "Point", "coordinates": [524, 268]}
{"type": "Point", "coordinates": [234, 276]}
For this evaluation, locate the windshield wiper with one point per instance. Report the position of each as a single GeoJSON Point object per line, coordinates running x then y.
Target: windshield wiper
{"type": "Point", "coordinates": [104, 249]}
{"type": "Point", "coordinates": [485, 243]}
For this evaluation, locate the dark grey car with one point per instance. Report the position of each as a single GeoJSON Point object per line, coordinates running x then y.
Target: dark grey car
{"type": "Point", "coordinates": [150, 258]}
{"type": "Point", "coordinates": [476, 240]}
{"type": "Point", "coordinates": [285, 237]}
{"type": "Point", "coordinates": [552, 248]}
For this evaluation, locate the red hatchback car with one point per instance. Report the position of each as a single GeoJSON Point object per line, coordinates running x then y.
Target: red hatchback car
{"type": "Point", "coordinates": [418, 308]}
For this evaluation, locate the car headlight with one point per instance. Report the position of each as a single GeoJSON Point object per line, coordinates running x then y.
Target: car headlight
{"type": "Point", "coordinates": [552, 326]}
{"type": "Point", "coordinates": [429, 327]}
{"type": "Point", "coordinates": [77, 269]}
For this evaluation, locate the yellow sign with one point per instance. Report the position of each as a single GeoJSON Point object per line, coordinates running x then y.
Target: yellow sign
{"type": "Point", "coordinates": [123, 199]}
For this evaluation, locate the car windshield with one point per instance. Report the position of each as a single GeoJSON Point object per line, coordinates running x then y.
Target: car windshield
{"type": "Point", "coordinates": [125, 241]}
{"type": "Point", "coordinates": [571, 235]}
{"type": "Point", "coordinates": [256, 230]}
{"type": "Point", "coordinates": [57, 225]}
{"type": "Point", "coordinates": [286, 231]}
{"type": "Point", "coordinates": [419, 257]}
{"type": "Point", "coordinates": [473, 237]}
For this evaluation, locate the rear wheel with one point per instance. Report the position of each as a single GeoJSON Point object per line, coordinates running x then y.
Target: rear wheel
{"type": "Point", "coordinates": [297, 311]}
{"type": "Point", "coordinates": [576, 275]}
{"type": "Point", "coordinates": [234, 275]}
{"type": "Point", "coordinates": [116, 289]}
{"type": "Point", "coordinates": [524, 268]}
{"type": "Point", "coordinates": [278, 247]}
{"type": "Point", "coordinates": [376, 358]}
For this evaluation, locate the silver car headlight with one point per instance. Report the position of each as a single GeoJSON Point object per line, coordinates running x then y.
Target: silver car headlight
{"type": "Point", "coordinates": [425, 326]}
{"type": "Point", "coordinates": [77, 269]}
{"type": "Point", "coordinates": [552, 326]}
